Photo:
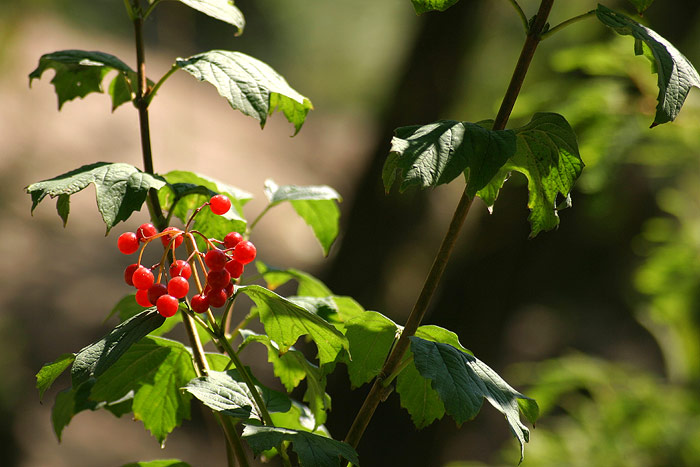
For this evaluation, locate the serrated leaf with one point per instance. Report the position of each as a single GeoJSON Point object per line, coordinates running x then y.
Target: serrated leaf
{"type": "Point", "coordinates": [292, 368]}
{"type": "Point", "coordinates": [308, 285]}
{"type": "Point", "coordinates": [68, 403]}
{"type": "Point", "coordinates": [96, 358]}
{"type": "Point", "coordinates": [371, 336]}
{"type": "Point", "coordinates": [120, 189]}
{"type": "Point", "coordinates": [547, 154]}
{"type": "Point", "coordinates": [313, 450]}
{"type": "Point", "coordinates": [433, 333]}
{"type": "Point", "coordinates": [223, 10]}
{"type": "Point", "coordinates": [189, 190]}
{"type": "Point", "coordinates": [154, 369]}
{"type": "Point", "coordinates": [418, 397]}
{"type": "Point", "coordinates": [159, 463]}
{"type": "Point", "coordinates": [78, 73]}
{"type": "Point", "coordinates": [248, 84]}
{"type": "Point", "coordinates": [463, 382]}
{"type": "Point", "coordinates": [675, 74]}
{"type": "Point", "coordinates": [285, 322]}
{"type": "Point", "coordinates": [435, 154]}
{"type": "Point", "coordinates": [49, 372]}
{"type": "Point", "coordinates": [641, 5]}
{"type": "Point", "coordinates": [423, 6]}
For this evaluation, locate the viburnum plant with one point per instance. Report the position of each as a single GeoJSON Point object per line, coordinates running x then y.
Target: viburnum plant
{"type": "Point", "coordinates": [199, 273]}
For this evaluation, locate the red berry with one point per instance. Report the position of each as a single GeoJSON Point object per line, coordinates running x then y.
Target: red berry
{"type": "Point", "coordinates": [219, 204]}
{"type": "Point", "coordinates": [142, 278]}
{"type": "Point", "coordinates": [217, 298]}
{"type": "Point", "coordinates": [180, 268]}
{"type": "Point", "coordinates": [167, 305]}
{"type": "Point", "coordinates": [232, 239]}
{"type": "Point", "coordinates": [145, 231]}
{"type": "Point", "coordinates": [156, 291]}
{"type": "Point", "coordinates": [229, 289]}
{"type": "Point", "coordinates": [218, 279]}
{"type": "Point", "coordinates": [128, 243]}
{"type": "Point", "coordinates": [245, 252]}
{"type": "Point", "coordinates": [234, 268]}
{"type": "Point", "coordinates": [128, 272]}
{"type": "Point", "coordinates": [215, 259]}
{"type": "Point", "coordinates": [142, 298]}
{"type": "Point", "coordinates": [165, 239]}
{"type": "Point", "coordinates": [200, 303]}
{"type": "Point", "coordinates": [178, 287]}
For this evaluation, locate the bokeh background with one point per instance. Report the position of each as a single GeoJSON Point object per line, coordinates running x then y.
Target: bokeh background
{"type": "Point", "coordinates": [599, 320]}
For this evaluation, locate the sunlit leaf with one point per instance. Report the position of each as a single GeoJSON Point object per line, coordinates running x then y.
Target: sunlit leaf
{"type": "Point", "coordinates": [223, 10]}
{"type": "Point", "coordinates": [49, 372]}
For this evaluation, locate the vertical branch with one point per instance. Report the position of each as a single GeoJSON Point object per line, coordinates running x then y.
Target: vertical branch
{"type": "Point", "coordinates": [379, 389]}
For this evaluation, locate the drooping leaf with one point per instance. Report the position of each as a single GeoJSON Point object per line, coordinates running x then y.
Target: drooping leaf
{"type": "Point", "coordinates": [158, 463]}
{"type": "Point", "coordinates": [418, 397]}
{"type": "Point", "coordinates": [285, 322]}
{"type": "Point", "coordinates": [96, 358]}
{"type": "Point", "coordinates": [463, 382]}
{"type": "Point", "coordinates": [675, 74]}
{"type": "Point", "coordinates": [308, 285]}
{"type": "Point", "coordinates": [641, 5]}
{"type": "Point", "coordinates": [154, 369]}
{"type": "Point", "coordinates": [187, 191]}
{"type": "Point", "coordinates": [227, 393]}
{"type": "Point", "coordinates": [423, 6]}
{"type": "Point", "coordinates": [49, 372]}
{"type": "Point", "coordinates": [317, 205]}
{"type": "Point", "coordinates": [435, 154]}
{"type": "Point", "coordinates": [68, 403]}
{"type": "Point", "coordinates": [371, 336]}
{"type": "Point", "coordinates": [223, 10]}
{"type": "Point", "coordinates": [120, 189]}
{"type": "Point", "coordinates": [547, 154]}
{"type": "Point", "coordinates": [313, 450]}
{"type": "Point", "coordinates": [78, 73]}
{"type": "Point", "coordinates": [249, 85]}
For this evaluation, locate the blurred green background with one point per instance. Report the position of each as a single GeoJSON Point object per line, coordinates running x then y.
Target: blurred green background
{"type": "Point", "coordinates": [599, 321]}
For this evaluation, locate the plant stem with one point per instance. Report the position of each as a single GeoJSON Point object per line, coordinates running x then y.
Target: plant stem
{"type": "Point", "coordinates": [234, 441]}
{"type": "Point", "coordinates": [379, 391]}
{"type": "Point", "coordinates": [521, 13]}
{"type": "Point", "coordinates": [157, 86]}
{"type": "Point", "coordinates": [566, 23]}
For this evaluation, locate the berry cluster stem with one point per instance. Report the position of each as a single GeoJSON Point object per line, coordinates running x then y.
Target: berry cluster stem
{"type": "Point", "coordinates": [380, 390]}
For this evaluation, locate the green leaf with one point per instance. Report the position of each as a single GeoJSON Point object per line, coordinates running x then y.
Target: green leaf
{"type": "Point", "coordinates": [248, 84]}
{"type": "Point", "coordinates": [462, 381]}
{"type": "Point", "coordinates": [675, 74]}
{"type": "Point", "coordinates": [313, 450]}
{"type": "Point", "coordinates": [435, 154]}
{"type": "Point", "coordinates": [222, 10]}
{"type": "Point", "coordinates": [308, 285]}
{"type": "Point", "coordinates": [120, 189]}
{"type": "Point", "coordinates": [292, 368]}
{"type": "Point", "coordinates": [547, 154]}
{"type": "Point", "coordinates": [159, 463]}
{"type": "Point", "coordinates": [371, 336]}
{"type": "Point", "coordinates": [299, 417]}
{"type": "Point", "coordinates": [154, 369]}
{"type": "Point", "coordinates": [285, 322]}
{"type": "Point", "coordinates": [127, 308]}
{"type": "Point", "coordinates": [96, 358]}
{"type": "Point", "coordinates": [78, 73]}
{"type": "Point", "coordinates": [317, 205]}
{"type": "Point", "coordinates": [423, 6]}
{"type": "Point", "coordinates": [641, 5]}
{"type": "Point", "coordinates": [49, 372]}
{"type": "Point", "coordinates": [434, 333]}
{"type": "Point", "coordinates": [68, 403]}
{"type": "Point", "coordinates": [186, 191]}
{"type": "Point", "coordinates": [417, 396]}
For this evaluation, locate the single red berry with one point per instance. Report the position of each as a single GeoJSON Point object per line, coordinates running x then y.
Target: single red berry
{"type": "Point", "coordinates": [142, 278]}
{"type": "Point", "coordinates": [145, 231]}
{"type": "Point", "coordinates": [200, 303]}
{"type": "Point", "coordinates": [234, 268]}
{"type": "Point", "coordinates": [218, 279]}
{"type": "Point", "coordinates": [167, 305]}
{"type": "Point", "coordinates": [219, 204]}
{"type": "Point", "coordinates": [232, 239]}
{"type": "Point", "coordinates": [215, 259]}
{"type": "Point", "coordinates": [244, 252]}
{"type": "Point", "coordinates": [229, 289]}
{"type": "Point", "coordinates": [165, 239]}
{"type": "Point", "coordinates": [128, 243]}
{"type": "Point", "coordinates": [178, 287]}
{"type": "Point", "coordinates": [128, 272]}
{"type": "Point", "coordinates": [180, 268]}
{"type": "Point", "coordinates": [156, 291]}
{"type": "Point", "coordinates": [217, 298]}
{"type": "Point", "coordinates": [142, 298]}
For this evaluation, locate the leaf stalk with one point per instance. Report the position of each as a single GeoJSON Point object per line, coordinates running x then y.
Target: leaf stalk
{"type": "Point", "coordinates": [566, 23]}
{"type": "Point", "coordinates": [521, 14]}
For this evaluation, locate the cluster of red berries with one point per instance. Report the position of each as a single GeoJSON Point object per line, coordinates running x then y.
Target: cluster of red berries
{"type": "Point", "coordinates": [221, 266]}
